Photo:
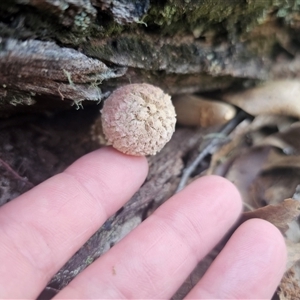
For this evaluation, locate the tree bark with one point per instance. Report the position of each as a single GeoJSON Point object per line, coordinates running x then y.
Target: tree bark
{"type": "Point", "coordinates": [57, 53]}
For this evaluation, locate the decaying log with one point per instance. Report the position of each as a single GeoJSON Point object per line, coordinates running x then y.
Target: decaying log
{"type": "Point", "coordinates": [35, 69]}
{"type": "Point", "coordinates": [79, 50]}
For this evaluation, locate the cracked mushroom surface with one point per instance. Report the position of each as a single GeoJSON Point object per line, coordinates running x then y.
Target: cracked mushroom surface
{"type": "Point", "coordinates": [138, 119]}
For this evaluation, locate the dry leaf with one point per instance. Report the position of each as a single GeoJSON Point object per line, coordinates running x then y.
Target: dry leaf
{"type": "Point", "coordinates": [289, 288]}
{"type": "Point", "coordinates": [244, 136]}
{"type": "Point", "coordinates": [222, 159]}
{"type": "Point", "coordinates": [262, 174]}
{"type": "Point", "coordinates": [287, 140]}
{"type": "Point", "coordinates": [245, 169]}
{"type": "Point", "coordinates": [277, 98]}
{"type": "Point", "coordinates": [280, 215]}
{"type": "Point", "coordinates": [277, 160]}
{"type": "Point", "coordinates": [293, 251]}
{"type": "Point", "coordinates": [198, 111]}
{"type": "Point", "coordinates": [271, 121]}
{"type": "Point", "coordinates": [271, 187]}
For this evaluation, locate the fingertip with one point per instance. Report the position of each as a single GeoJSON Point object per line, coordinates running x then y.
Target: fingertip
{"type": "Point", "coordinates": [262, 247]}
{"type": "Point", "coordinates": [251, 264]}
{"type": "Point", "coordinates": [107, 172]}
{"type": "Point", "coordinates": [225, 191]}
{"type": "Point", "coordinates": [140, 161]}
{"type": "Point", "coordinates": [107, 157]}
{"type": "Point", "coordinates": [266, 236]}
{"type": "Point", "coordinates": [225, 184]}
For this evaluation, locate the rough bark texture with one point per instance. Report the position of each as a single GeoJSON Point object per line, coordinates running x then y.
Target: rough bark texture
{"type": "Point", "coordinates": [68, 49]}
{"type": "Point", "coordinates": [54, 54]}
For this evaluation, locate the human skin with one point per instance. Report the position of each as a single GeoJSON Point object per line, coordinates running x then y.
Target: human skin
{"type": "Point", "coordinates": [43, 228]}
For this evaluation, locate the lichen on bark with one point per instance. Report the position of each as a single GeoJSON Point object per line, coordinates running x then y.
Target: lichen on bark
{"type": "Point", "coordinates": [167, 42]}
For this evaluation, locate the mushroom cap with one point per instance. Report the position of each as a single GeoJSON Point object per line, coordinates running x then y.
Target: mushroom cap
{"type": "Point", "coordinates": [138, 119]}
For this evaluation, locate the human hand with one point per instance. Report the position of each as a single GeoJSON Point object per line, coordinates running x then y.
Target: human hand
{"type": "Point", "coordinates": [43, 228]}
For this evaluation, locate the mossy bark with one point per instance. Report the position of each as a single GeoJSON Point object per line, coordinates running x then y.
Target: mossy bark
{"type": "Point", "coordinates": [179, 45]}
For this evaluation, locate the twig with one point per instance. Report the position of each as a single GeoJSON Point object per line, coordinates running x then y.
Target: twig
{"type": "Point", "coordinates": [248, 206]}
{"type": "Point", "coordinates": [187, 172]}
{"type": "Point", "coordinates": [11, 170]}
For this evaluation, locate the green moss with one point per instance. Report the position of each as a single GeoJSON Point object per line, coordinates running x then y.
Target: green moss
{"type": "Point", "coordinates": [248, 22]}
{"type": "Point", "coordinates": [212, 20]}
{"type": "Point", "coordinates": [178, 15]}
{"type": "Point", "coordinates": [107, 29]}
{"type": "Point", "coordinates": [205, 19]}
{"type": "Point", "coordinates": [43, 23]}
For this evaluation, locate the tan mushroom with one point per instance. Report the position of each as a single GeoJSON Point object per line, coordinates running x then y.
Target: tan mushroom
{"type": "Point", "coordinates": [138, 119]}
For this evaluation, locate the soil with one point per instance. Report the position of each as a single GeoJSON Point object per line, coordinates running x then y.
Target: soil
{"type": "Point", "coordinates": [36, 147]}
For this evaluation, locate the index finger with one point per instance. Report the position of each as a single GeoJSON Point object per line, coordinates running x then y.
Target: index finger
{"type": "Point", "coordinates": [43, 228]}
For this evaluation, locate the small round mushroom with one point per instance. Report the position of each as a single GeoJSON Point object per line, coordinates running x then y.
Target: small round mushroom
{"type": "Point", "coordinates": [138, 119]}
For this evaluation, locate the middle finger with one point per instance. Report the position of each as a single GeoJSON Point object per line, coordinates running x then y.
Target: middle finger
{"type": "Point", "coordinates": [157, 257]}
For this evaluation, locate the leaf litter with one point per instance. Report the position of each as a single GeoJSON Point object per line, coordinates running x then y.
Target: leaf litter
{"type": "Point", "coordinates": [262, 158]}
